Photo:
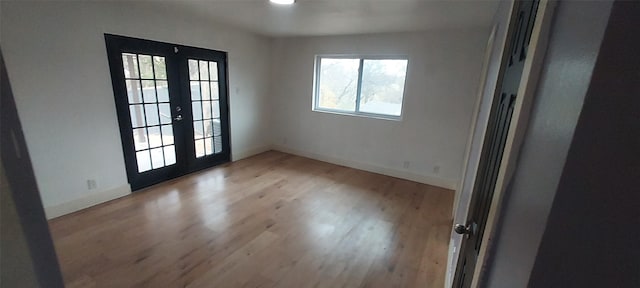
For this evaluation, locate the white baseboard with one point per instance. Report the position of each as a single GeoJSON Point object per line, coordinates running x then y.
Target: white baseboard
{"type": "Point", "coordinates": [86, 201]}
{"type": "Point", "coordinates": [430, 180]}
{"type": "Point", "coordinates": [115, 193]}
{"type": "Point", "coordinates": [250, 152]}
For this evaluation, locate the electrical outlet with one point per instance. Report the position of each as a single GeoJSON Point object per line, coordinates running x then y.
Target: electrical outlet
{"type": "Point", "coordinates": [436, 169]}
{"type": "Point", "coordinates": [92, 184]}
{"type": "Point", "coordinates": [406, 164]}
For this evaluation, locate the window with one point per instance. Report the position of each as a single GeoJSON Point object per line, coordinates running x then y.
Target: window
{"type": "Point", "coordinates": [360, 86]}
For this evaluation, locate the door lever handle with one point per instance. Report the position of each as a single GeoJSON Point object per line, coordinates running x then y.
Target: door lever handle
{"type": "Point", "coordinates": [178, 118]}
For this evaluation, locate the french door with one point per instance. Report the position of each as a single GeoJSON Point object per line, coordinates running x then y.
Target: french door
{"type": "Point", "coordinates": [172, 107]}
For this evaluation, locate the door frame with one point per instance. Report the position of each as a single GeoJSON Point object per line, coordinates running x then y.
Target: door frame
{"type": "Point", "coordinates": [452, 258]}
{"type": "Point", "coordinates": [476, 111]}
{"type": "Point", "coordinates": [175, 74]}
{"type": "Point", "coordinates": [520, 119]}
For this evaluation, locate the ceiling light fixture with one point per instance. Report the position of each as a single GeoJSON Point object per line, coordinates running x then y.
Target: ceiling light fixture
{"type": "Point", "coordinates": [283, 2]}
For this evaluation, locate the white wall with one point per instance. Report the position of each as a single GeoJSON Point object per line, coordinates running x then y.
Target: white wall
{"type": "Point", "coordinates": [597, 197]}
{"type": "Point", "coordinates": [57, 63]}
{"type": "Point", "coordinates": [440, 94]}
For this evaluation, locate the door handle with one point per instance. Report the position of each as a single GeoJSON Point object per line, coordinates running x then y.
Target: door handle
{"type": "Point", "coordinates": [462, 229]}
{"type": "Point", "coordinates": [178, 118]}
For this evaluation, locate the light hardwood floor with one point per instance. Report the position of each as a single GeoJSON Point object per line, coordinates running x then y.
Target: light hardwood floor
{"type": "Point", "coordinates": [272, 220]}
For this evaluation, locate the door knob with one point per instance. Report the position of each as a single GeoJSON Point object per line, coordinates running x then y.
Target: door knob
{"type": "Point", "coordinates": [178, 118]}
{"type": "Point", "coordinates": [462, 229]}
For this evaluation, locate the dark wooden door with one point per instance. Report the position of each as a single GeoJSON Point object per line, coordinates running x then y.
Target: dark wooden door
{"type": "Point", "coordinates": [499, 121]}
{"type": "Point", "coordinates": [172, 107]}
{"type": "Point", "coordinates": [28, 255]}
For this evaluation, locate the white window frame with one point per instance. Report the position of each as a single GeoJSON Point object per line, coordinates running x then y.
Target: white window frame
{"type": "Point", "coordinates": [316, 86]}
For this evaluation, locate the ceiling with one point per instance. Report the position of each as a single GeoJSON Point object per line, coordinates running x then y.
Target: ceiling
{"type": "Point", "coordinates": [339, 17]}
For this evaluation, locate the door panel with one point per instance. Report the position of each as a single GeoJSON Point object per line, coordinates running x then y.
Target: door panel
{"type": "Point", "coordinates": [495, 140]}
{"type": "Point", "coordinates": [169, 124]}
{"type": "Point", "coordinates": [207, 106]}
{"type": "Point", "coordinates": [150, 111]}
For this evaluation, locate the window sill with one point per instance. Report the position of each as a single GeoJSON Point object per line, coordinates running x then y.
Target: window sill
{"type": "Point", "coordinates": [359, 114]}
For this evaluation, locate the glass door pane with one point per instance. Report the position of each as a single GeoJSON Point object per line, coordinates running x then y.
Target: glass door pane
{"type": "Point", "coordinates": [205, 107]}
{"type": "Point", "coordinates": [150, 110]}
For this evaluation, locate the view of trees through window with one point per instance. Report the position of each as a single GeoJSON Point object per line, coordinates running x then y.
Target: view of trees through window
{"type": "Point", "coordinates": [338, 83]}
{"type": "Point", "coordinates": [381, 85]}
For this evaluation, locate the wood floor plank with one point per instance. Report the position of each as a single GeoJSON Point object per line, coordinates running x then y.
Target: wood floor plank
{"type": "Point", "coordinates": [272, 220]}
